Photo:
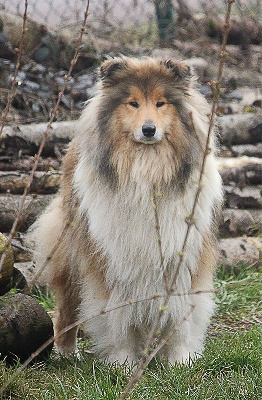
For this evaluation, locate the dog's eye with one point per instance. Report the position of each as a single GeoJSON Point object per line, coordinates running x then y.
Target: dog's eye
{"type": "Point", "coordinates": [160, 104]}
{"type": "Point", "coordinates": [134, 104]}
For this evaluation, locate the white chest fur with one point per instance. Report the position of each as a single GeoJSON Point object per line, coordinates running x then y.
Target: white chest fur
{"type": "Point", "coordinates": [123, 225]}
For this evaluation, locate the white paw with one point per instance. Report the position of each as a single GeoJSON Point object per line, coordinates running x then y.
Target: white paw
{"type": "Point", "coordinates": [68, 353]}
{"type": "Point", "coordinates": [121, 357]}
{"type": "Point", "coordinates": [183, 357]}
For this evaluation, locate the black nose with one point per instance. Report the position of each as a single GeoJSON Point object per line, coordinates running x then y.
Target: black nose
{"type": "Point", "coordinates": [149, 130]}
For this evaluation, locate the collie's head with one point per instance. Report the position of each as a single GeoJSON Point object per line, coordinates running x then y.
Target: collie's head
{"type": "Point", "coordinates": [148, 122]}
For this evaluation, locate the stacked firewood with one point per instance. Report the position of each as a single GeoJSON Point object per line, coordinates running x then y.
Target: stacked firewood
{"type": "Point", "coordinates": [239, 162]}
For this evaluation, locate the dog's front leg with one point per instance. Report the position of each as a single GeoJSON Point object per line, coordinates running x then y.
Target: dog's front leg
{"type": "Point", "coordinates": [67, 303]}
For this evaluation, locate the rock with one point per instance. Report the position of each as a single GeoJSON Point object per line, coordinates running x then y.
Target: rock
{"type": "Point", "coordinates": [24, 327]}
{"type": "Point", "coordinates": [67, 101]}
{"type": "Point", "coordinates": [9, 204]}
{"type": "Point", "coordinates": [240, 128]}
{"type": "Point", "coordinates": [7, 267]}
{"type": "Point", "coordinates": [247, 197]}
{"type": "Point", "coordinates": [240, 222]}
{"type": "Point", "coordinates": [224, 110]}
{"type": "Point", "coordinates": [234, 251]}
{"type": "Point", "coordinates": [27, 269]}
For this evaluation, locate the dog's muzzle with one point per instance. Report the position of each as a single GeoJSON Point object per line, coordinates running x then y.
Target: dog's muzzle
{"type": "Point", "coordinates": [148, 133]}
{"type": "Point", "coordinates": [149, 130]}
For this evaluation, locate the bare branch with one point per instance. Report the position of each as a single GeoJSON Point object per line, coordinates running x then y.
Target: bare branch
{"type": "Point", "coordinates": [11, 93]}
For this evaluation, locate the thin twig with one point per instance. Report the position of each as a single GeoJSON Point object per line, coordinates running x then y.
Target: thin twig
{"type": "Point", "coordinates": [67, 77]}
{"type": "Point", "coordinates": [11, 94]}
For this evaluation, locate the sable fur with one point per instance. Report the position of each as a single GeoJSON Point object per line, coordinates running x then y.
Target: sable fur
{"type": "Point", "coordinates": [104, 218]}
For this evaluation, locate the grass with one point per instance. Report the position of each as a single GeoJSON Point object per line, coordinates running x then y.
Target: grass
{"type": "Point", "coordinates": [230, 368]}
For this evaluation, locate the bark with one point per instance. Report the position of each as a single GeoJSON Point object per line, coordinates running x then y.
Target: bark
{"type": "Point", "coordinates": [241, 171]}
{"type": "Point", "coordinates": [25, 139]}
{"type": "Point", "coordinates": [25, 326]}
{"type": "Point", "coordinates": [240, 222]}
{"type": "Point", "coordinates": [246, 197]}
{"type": "Point", "coordinates": [9, 204]}
{"type": "Point", "coordinates": [234, 251]}
{"type": "Point", "coordinates": [240, 128]}
{"type": "Point", "coordinates": [26, 164]}
{"type": "Point", "coordinates": [251, 150]}
{"type": "Point", "coordinates": [44, 182]}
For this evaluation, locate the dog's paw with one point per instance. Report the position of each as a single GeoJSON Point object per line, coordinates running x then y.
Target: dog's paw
{"type": "Point", "coordinates": [120, 358]}
{"type": "Point", "coordinates": [67, 353]}
{"type": "Point", "coordinates": [183, 357]}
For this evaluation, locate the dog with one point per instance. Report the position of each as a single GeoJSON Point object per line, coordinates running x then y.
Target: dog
{"type": "Point", "coordinates": [145, 127]}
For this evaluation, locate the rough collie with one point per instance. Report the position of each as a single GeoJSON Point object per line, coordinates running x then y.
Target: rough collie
{"type": "Point", "coordinates": [145, 127]}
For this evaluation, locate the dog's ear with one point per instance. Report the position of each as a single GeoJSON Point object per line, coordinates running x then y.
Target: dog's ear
{"type": "Point", "coordinates": [110, 66]}
{"type": "Point", "coordinates": [179, 69]}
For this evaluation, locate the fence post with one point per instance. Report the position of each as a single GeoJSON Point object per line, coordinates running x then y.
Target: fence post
{"type": "Point", "coordinates": [165, 20]}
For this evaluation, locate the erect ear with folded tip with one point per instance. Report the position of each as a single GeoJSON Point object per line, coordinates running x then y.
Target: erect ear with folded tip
{"type": "Point", "coordinates": [109, 67]}
{"type": "Point", "coordinates": [179, 69]}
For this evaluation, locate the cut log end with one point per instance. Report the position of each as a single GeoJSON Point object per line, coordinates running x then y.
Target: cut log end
{"type": "Point", "coordinates": [25, 326]}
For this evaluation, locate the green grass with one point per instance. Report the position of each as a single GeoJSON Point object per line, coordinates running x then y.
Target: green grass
{"type": "Point", "coordinates": [230, 368]}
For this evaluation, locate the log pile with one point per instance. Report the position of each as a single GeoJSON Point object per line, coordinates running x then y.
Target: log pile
{"type": "Point", "coordinates": [240, 169]}
{"type": "Point", "coordinates": [24, 324]}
